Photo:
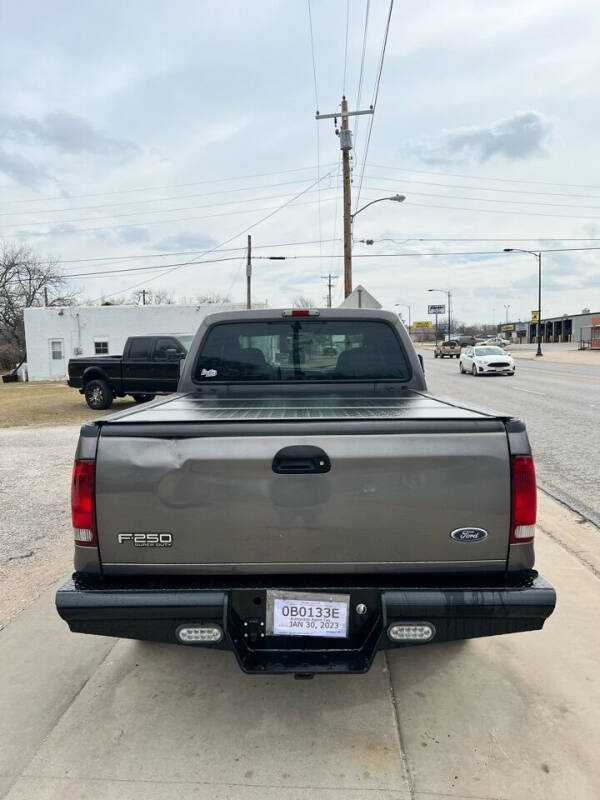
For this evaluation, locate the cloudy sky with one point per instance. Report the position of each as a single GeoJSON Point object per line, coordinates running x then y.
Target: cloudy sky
{"type": "Point", "coordinates": [145, 134]}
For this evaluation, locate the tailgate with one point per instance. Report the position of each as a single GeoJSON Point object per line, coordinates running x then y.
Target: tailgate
{"type": "Point", "coordinates": [389, 502]}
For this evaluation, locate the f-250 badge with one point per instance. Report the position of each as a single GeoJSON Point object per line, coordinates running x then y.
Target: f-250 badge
{"type": "Point", "coordinates": [469, 535]}
{"type": "Point", "coordinates": [147, 539]}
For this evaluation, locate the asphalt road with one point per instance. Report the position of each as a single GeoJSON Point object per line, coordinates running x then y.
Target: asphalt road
{"type": "Point", "coordinates": [560, 403]}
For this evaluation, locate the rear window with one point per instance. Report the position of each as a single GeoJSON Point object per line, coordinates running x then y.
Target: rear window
{"type": "Point", "coordinates": [306, 350]}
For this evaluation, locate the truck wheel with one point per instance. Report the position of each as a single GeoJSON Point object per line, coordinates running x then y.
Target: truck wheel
{"type": "Point", "coordinates": [143, 398]}
{"type": "Point", "coordinates": [98, 394]}
{"type": "Point", "coordinates": [435, 355]}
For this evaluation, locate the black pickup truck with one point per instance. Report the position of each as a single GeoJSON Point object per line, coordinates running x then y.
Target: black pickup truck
{"type": "Point", "coordinates": [149, 366]}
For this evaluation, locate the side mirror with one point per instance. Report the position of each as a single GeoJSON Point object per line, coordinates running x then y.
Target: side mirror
{"type": "Point", "coordinates": [422, 363]}
{"type": "Point", "coordinates": [173, 354]}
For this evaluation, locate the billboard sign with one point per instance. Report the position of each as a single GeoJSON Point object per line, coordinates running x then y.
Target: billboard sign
{"type": "Point", "coordinates": [427, 324]}
{"type": "Point", "coordinates": [439, 309]}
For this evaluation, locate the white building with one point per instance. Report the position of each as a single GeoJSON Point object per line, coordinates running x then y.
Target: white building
{"type": "Point", "coordinates": [54, 335]}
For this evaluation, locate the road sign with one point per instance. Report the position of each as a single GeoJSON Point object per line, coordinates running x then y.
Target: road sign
{"type": "Point", "coordinates": [427, 324]}
{"type": "Point", "coordinates": [441, 309]}
{"type": "Point", "coordinates": [535, 316]}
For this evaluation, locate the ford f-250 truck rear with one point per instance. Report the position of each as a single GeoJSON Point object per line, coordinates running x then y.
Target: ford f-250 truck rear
{"type": "Point", "coordinates": [304, 501]}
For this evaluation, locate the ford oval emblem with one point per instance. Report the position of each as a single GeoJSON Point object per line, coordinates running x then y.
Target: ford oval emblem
{"type": "Point", "coordinates": [469, 535]}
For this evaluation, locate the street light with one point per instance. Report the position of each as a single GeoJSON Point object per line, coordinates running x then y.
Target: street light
{"type": "Point", "coordinates": [396, 198]}
{"type": "Point", "coordinates": [445, 291]}
{"type": "Point", "coordinates": [538, 255]}
{"type": "Point", "coordinates": [405, 305]}
{"type": "Point", "coordinates": [506, 307]}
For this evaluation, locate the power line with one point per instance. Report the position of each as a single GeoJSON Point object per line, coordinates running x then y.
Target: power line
{"type": "Point", "coordinates": [374, 101]}
{"type": "Point", "coordinates": [346, 47]}
{"type": "Point", "coordinates": [491, 199]}
{"type": "Point", "coordinates": [500, 211]}
{"type": "Point", "coordinates": [383, 49]}
{"type": "Point", "coordinates": [312, 50]}
{"type": "Point", "coordinates": [484, 188]}
{"type": "Point", "coordinates": [314, 67]}
{"type": "Point", "coordinates": [127, 270]}
{"type": "Point", "coordinates": [139, 256]}
{"type": "Point", "coordinates": [362, 67]}
{"type": "Point", "coordinates": [449, 253]}
{"type": "Point", "coordinates": [492, 239]}
{"type": "Point", "coordinates": [488, 178]}
{"type": "Point", "coordinates": [164, 221]}
{"type": "Point", "coordinates": [156, 211]}
{"type": "Point", "coordinates": [230, 239]}
{"type": "Point", "coordinates": [157, 199]}
{"type": "Point", "coordinates": [183, 252]}
{"type": "Point", "coordinates": [419, 255]}
{"type": "Point", "coordinates": [172, 267]}
{"type": "Point", "coordinates": [165, 186]}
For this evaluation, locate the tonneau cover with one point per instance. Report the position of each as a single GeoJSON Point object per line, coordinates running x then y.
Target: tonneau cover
{"type": "Point", "coordinates": [192, 408]}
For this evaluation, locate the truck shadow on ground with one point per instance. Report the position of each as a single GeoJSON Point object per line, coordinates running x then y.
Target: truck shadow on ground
{"type": "Point", "coordinates": [194, 666]}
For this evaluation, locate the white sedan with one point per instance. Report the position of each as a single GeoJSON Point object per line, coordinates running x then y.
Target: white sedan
{"type": "Point", "coordinates": [486, 360]}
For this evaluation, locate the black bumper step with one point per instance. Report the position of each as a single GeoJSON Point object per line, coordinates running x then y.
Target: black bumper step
{"type": "Point", "coordinates": [457, 607]}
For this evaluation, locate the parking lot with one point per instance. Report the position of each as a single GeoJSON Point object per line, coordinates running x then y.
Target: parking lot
{"type": "Point", "coordinates": [87, 717]}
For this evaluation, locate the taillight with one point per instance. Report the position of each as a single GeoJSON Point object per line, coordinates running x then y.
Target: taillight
{"type": "Point", "coordinates": [83, 511]}
{"type": "Point", "coordinates": [524, 500]}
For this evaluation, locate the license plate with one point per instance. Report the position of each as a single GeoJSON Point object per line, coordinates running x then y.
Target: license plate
{"type": "Point", "coordinates": [307, 614]}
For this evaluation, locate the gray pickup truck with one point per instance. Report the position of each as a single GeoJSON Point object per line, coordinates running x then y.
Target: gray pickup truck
{"type": "Point", "coordinates": [304, 502]}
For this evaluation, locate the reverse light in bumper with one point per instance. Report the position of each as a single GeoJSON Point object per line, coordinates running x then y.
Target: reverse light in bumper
{"type": "Point", "coordinates": [402, 612]}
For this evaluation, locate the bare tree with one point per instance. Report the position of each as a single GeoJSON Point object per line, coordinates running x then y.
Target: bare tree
{"type": "Point", "coordinates": [302, 301]}
{"type": "Point", "coordinates": [211, 298]}
{"type": "Point", "coordinates": [149, 297]}
{"type": "Point", "coordinates": [162, 297]}
{"type": "Point", "coordinates": [26, 281]}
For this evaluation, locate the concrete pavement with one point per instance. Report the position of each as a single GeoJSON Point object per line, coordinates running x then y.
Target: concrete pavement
{"type": "Point", "coordinates": [505, 718]}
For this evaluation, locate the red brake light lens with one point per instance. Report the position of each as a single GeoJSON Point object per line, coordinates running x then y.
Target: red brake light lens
{"type": "Point", "coordinates": [83, 512]}
{"type": "Point", "coordinates": [524, 500]}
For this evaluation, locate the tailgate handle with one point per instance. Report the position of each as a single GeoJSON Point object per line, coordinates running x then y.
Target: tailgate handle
{"type": "Point", "coordinates": [301, 459]}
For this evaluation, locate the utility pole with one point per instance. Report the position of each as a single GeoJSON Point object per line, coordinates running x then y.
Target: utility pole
{"type": "Point", "coordinates": [249, 274]}
{"type": "Point", "coordinates": [330, 281]}
{"type": "Point", "coordinates": [143, 297]}
{"type": "Point", "coordinates": [345, 135]}
{"type": "Point", "coordinates": [346, 145]}
{"type": "Point", "coordinates": [45, 296]}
